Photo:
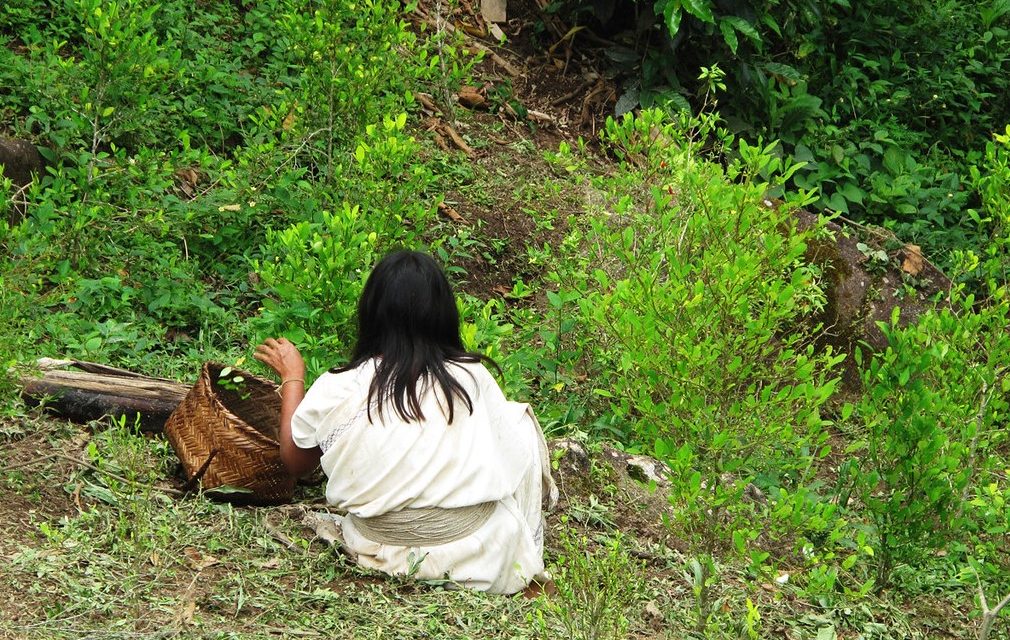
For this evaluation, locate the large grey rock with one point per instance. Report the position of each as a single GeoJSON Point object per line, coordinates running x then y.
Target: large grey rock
{"type": "Point", "coordinates": [639, 468]}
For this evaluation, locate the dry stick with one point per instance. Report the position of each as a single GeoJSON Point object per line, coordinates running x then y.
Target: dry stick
{"type": "Point", "coordinates": [988, 615]}
{"type": "Point", "coordinates": [552, 22]}
{"type": "Point", "coordinates": [457, 139]}
{"type": "Point", "coordinates": [20, 193]}
{"type": "Point", "coordinates": [600, 88]}
{"type": "Point", "coordinates": [500, 61]}
{"type": "Point", "coordinates": [427, 102]}
{"type": "Point", "coordinates": [277, 535]}
{"type": "Point", "coordinates": [540, 116]}
{"type": "Point", "coordinates": [285, 632]}
{"type": "Point", "coordinates": [574, 92]}
{"type": "Point", "coordinates": [170, 491]}
{"type": "Point", "coordinates": [29, 463]}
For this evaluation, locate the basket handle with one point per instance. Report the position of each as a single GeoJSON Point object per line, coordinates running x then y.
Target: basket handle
{"type": "Point", "coordinates": [191, 484]}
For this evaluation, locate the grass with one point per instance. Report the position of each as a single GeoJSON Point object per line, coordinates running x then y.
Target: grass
{"type": "Point", "coordinates": [90, 556]}
{"type": "Point", "coordinates": [94, 556]}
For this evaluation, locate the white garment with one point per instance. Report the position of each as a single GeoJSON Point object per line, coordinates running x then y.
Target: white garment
{"type": "Point", "coordinates": [493, 455]}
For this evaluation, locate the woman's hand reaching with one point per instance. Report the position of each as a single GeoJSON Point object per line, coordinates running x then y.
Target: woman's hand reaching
{"type": "Point", "coordinates": [282, 356]}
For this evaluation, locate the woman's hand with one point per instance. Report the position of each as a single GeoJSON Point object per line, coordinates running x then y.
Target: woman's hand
{"type": "Point", "coordinates": [282, 356]}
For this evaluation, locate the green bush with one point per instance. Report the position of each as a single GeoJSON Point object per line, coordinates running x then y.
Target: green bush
{"type": "Point", "coordinates": [703, 303]}
{"type": "Point", "coordinates": [931, 416]}
{"type": "Point", "coordinates": [698, 305]}
{"type": "Point", "coordinates": [352, 59]}
{"type": "Point", "coordinates": [988, 262]}
{"type": "Point", "coordinates": [312, 272]}
{"type": "Point", "coordinates": [108, 86]}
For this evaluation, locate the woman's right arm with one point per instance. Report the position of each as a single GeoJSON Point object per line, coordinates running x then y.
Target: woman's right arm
{"type": "Point", "coordinates": [282, 356]}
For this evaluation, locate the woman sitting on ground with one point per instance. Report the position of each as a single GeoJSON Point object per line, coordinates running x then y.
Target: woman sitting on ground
{"type": "Point", "coordinates": [441, 476]}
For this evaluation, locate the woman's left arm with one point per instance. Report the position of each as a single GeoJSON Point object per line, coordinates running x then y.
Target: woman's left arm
{"type": "Point", "coordinates": [282, 356]}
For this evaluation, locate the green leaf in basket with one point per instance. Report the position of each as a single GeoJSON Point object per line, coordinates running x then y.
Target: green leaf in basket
{"type": "Point", "coordinates": [224, 372]}
{"type": "Point", "coordinates": [227, 488]}
{"type": "Point", "coordinates": [238, 379]}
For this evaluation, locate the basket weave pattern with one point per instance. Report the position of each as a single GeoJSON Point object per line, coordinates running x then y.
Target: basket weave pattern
{"type": "Point", "coordinates": [225, 437]}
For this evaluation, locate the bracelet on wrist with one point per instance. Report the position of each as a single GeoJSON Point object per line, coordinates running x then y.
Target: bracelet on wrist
{"type": "Point", "coordinates": [280, 387]}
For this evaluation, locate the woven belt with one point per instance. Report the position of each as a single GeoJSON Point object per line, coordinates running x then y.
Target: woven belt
{"type": "Point", "coordinates": [425, 527]}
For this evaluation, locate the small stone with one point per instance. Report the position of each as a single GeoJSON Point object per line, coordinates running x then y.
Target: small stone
{"type": "Point", "coordinates": [646, 469]}
{"type": "Point", "coordinates": [653, 612]}
{"type": "Point", "coordinates": [574, 457]}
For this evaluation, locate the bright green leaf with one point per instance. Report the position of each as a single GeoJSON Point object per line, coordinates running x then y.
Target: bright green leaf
{"type": "Point", "coordinates": [701, 9]}
{"type": "Point", "coordinates": [729, 35]}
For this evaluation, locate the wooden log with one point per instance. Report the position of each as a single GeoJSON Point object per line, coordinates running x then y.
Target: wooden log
{"type": "Point", "coordinates": [100, 391]}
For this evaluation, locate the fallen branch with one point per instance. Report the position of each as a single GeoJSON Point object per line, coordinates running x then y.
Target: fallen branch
{"type": "Point", "coordinates": [450, 213]}
{"type": "Point", "coordinates": [169, 490]}
{"type": "Point", "coordinates": [457, 139]}
{"type": "Point", "coordinates": [28, 463]}
{"type": "Point", "coordinates": [428, 102]}
{"type": "Point", "coordinates": [540, 116]}
{"type": "Point", "coordinates": [988, 615]}
{"type": "Point", "coordinates": [574, 92]}
{"type": "Point", "coordinates": [98, 390]}
{"type": "Point", "coordinates": [552, 22]}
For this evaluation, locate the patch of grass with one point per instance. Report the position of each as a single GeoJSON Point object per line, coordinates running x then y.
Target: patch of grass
{"type": "Point", "coordinates": [128, 560]}
{"type": "Point", "coordinates": [89, 555]}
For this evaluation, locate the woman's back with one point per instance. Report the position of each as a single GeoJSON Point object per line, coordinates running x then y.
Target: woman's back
{"type": "Point", "coordinates": [420, 446]}
{"type": "Point", "coordinates": [490, 457]}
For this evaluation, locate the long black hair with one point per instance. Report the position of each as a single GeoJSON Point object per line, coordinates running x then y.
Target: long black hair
{"type": "Point", "coordinates": [407, 315]}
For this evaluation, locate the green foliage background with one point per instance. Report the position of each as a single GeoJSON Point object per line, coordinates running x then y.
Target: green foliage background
{"type": "Point", "coordinates": [889, 104]}
{"type": "Point", "coordinates": [220, 172]}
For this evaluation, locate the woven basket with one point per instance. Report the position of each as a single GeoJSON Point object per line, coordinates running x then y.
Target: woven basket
{"type": "Point", "coordinates": [228, 438]}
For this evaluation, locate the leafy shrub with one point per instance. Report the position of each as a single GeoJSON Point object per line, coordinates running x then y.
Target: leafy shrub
{"type": "Point", "coordinates": [989, 261]}
{"type": "Point", "coordinates": [931, 413]}
{"type": "Point", "coordinates": [313, 271]}
{"type": "Point", "coordinates": [698, 304]}
{"type": "Point", "coordinates": [702, 294]}
{"type": "Point", "coordinates": [352, 61]}
{"type": "Point", "coordinates": [109, 87]}
{"type": "Point", "coordinates": [988, 560]}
